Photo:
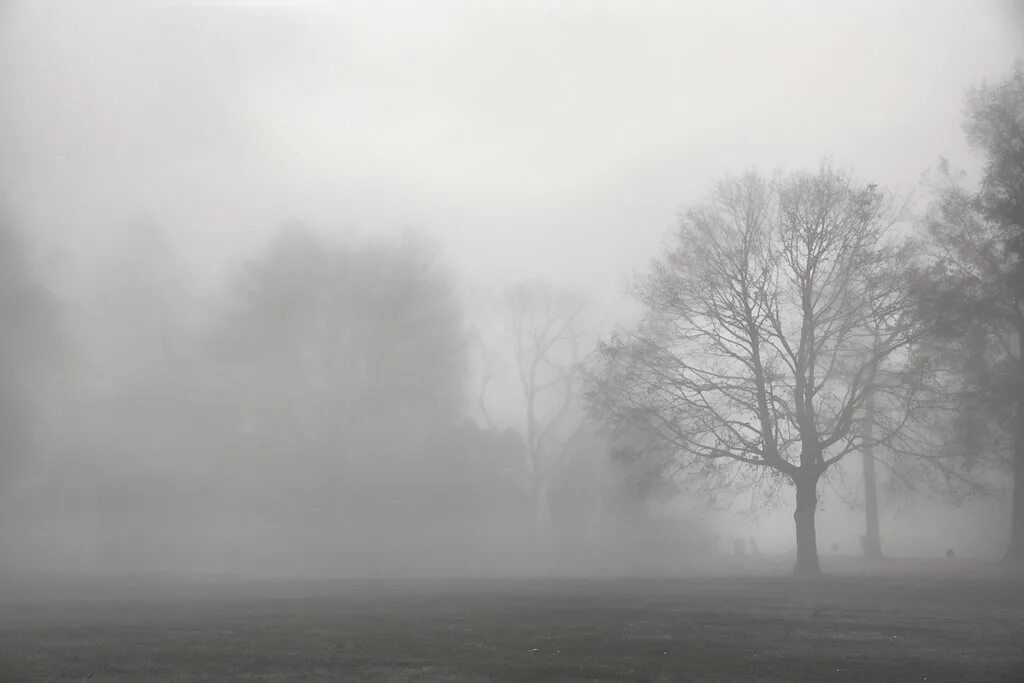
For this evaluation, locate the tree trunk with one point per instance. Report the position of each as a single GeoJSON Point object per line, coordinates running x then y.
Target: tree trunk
{"type": "Point", "coordinates": [541, 507]}
{"type": "Point", "coordinates": [806, 539]}
{"type": "Point", "coordinates": [872, 535]}
{"type": "Point", "coordinates": [1015, 553]}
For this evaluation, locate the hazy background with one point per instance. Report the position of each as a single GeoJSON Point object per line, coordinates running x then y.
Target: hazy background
{"type": "Point", "coordinates": [160, 147]}
{"type": "Point", "coordinates": [551, 139]}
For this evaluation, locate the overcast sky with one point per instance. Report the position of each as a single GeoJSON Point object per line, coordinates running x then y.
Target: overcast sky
{"type": "Point", "coordinates": [552, 139]}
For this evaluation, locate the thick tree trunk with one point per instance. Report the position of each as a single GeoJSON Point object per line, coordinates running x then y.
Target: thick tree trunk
{"type": "Point", "coordinates": [806, 538]}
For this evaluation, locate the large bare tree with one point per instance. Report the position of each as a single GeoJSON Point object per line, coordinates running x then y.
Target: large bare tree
{"type": "Point", "coordinates": [766, 324]}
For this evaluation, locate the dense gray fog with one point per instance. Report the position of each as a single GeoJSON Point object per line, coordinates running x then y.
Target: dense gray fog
{"type": "Point", "coordinates": [409, 289]}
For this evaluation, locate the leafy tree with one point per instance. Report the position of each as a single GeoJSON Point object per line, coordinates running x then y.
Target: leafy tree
{"type": "Point", "coordinates": [977, 286]}
{"type": "Point", "coordinates": [342, 339]}
{"type": "Point", "coordinates": [31, 348]}
{"type": "Point", "coordinates": [344, 362]}
{"type": "Point", "coordinates": [766, 323]}
{"type": "Point", "coordinates": [29, 339]}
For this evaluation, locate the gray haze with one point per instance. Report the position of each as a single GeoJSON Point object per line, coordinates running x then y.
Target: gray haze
{"type": "Point", "coordinates": [533, 139]}
{"type": "Point", "coordinates": [153, 151]}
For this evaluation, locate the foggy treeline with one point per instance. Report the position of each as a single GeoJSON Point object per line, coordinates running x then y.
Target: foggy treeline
{"type": "Point", "coordinates": [323, 402]}
{"type": "Point", "coordinates": [314, 420]}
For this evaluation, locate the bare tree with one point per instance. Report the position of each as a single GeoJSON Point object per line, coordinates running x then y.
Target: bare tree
{"type": "Point", "coordinates": [545, 326]}
{"type": "Point", "coordinates": [487, 362]}
{"type": "Point", "coordinates": [766, 324]}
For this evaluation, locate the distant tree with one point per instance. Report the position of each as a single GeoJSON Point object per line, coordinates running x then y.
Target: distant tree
{"type": "Point", "coordinates": [546, 336]}
{"type": "Point", "coordinates": [766, 323]}
{"type": "Point", "coordinates": [471, 493]}
{"type": "Point", "coordinates": [977, 286]}
{"type": "Point", "coordinates": [364, 333]}
{"type": "Point", "coordinates": [344, 362]}
{"type": "Point", "coordinates": [29, 345]}
{"type": "Point", "coordinates": [32, 349]}
{"type": "Point", "coordinates": [579, 487]}
{"type": "Point", "coordinates": [134, 319]}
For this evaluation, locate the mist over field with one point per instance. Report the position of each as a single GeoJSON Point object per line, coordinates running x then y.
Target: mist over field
{"type": "Point", "coordinates": [547, 340]}
{"type": "Point", "coordinates": [313, 289]}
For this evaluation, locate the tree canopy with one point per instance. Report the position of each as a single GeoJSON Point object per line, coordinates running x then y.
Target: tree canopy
{"type": "Point", "coordinates": [767, 322]}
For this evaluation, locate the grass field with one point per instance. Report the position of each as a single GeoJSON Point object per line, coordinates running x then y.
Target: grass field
{"type": "Point", "coordinates": [965, 624]}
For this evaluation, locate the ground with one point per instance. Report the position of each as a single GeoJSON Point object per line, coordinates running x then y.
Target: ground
{"type": "Point", "coordinates": [951, 622]}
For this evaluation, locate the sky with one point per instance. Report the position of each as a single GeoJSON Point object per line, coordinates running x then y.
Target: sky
{"type": "Point", "coordinates": [554, 140]}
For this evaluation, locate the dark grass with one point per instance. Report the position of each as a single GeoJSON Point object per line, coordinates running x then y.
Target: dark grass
{"type": "Point", "coordinates": [900, 626]}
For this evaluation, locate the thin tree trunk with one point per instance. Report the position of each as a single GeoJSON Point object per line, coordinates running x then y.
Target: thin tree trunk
{"type": "Point", "coordinates": [872, 535]}
{"type": "Point", "coordinates": [806, 538]}
{"type": "Point", "coordinates": [541, 509]}
{"type": "Point", "coordinates": [1015, 552]}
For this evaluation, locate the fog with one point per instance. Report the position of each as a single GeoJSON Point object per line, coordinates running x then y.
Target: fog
{"type": "Point", "coordinates": [305, 289]}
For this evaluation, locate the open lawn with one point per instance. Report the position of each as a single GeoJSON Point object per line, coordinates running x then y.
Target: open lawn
{"type": "Point", "coordinates": [921, 623]}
